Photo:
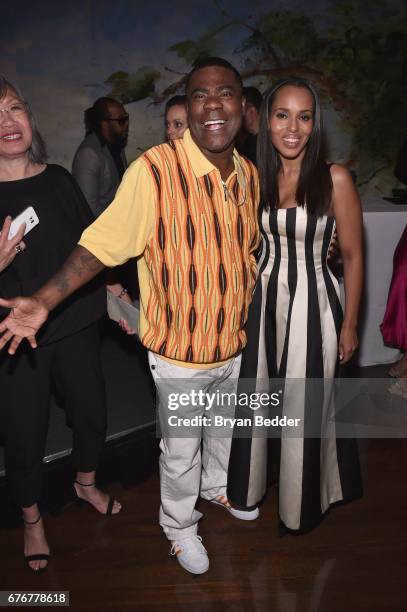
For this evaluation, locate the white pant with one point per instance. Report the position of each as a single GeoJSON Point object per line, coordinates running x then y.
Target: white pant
{"type": "Point", "coordinates": [183, 472]}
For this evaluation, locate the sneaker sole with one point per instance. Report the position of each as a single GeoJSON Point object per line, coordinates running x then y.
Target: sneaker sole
{"type": "Point", "coordinates": [245, 517]}
{"type": "Point", "coordinates": [235, 512]}
{"type": "Point", "coordinates": [190, 570]}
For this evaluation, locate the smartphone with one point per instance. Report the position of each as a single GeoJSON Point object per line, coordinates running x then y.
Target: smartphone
{"type": "Point", "coordinates": [29, 217]}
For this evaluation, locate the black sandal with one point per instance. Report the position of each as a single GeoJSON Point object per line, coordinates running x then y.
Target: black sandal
{"type": "Point", "coordinates": [38, 556]}
{"type": "Point", "coordinates": [110, 503]}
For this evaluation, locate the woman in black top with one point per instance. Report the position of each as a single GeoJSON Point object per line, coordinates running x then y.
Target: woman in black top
{"type": "Point", "coordinates": [68, 350]}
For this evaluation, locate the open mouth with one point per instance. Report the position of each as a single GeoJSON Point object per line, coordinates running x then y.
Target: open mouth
{"type": "Point", "coordinates": [11, 137]}
{"type": "Point", "coordinates": [214, 124]}
{"type": "Point", "coordinates": [291, 142]}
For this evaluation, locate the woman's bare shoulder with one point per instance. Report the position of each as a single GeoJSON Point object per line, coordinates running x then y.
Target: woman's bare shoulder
{"type": "Point", "coordinates": [340, 175]}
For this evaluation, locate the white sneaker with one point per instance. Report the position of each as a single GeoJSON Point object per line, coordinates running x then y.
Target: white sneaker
{"type": "Point", "coordinates": [243, 515]}
{"type": "Point", "coordinates": [191, 554]}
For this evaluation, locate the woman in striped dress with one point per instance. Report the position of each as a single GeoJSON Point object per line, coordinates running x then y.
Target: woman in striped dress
{"type": "Point", "coordinates": [296, 328]}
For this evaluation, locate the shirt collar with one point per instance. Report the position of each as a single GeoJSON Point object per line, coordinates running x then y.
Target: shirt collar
{"type": "Point", "coordinates": [201, 164]}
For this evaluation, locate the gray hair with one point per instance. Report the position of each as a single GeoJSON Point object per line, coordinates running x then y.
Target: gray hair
{"type": "Point", "coordinates": [37, 152]}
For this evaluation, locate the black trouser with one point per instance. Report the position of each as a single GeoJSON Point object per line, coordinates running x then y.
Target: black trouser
{"type": "Point", "coordinates": [73, 365]}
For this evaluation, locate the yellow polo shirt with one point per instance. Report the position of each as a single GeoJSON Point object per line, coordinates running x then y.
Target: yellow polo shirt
{"type": "Point", "coordinates": [195, 238]}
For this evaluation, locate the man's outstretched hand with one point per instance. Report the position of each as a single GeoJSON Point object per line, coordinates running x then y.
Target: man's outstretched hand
{"type": "Point", "coordinates": [25, 319]}
{"type": "Point", "coordinates": [29, 313]}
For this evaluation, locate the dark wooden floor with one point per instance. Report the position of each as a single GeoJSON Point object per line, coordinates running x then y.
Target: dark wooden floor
{"type": "Point", "coordinates": [355, 560]}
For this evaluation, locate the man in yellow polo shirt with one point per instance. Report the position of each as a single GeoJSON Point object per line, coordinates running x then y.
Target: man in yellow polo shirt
{"type": "Point", "coordinates": [187, 210]}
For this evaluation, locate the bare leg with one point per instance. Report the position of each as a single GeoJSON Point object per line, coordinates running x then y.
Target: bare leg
{"type": "Point", "coordinates": [98, 499]}
{"type": "Point", "coordinates": [35, 541]}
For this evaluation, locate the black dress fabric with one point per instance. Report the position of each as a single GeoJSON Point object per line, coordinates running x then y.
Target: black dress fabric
{"type": "Point", "coordinates": [293, 332]}
{"type": "Point", "coordinates": [63, 214]}
{"type": "Point", "coordinates": [68, 355]}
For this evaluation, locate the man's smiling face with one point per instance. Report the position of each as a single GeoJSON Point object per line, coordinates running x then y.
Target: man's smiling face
{"type": "Point", "coordinates": [215, 109]}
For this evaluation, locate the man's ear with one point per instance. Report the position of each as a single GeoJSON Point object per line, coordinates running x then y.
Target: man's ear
{"type": "Point", "coordinates": [103, 127]}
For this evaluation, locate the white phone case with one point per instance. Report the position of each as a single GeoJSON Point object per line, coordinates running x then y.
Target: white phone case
{"type": "Point", "coordinates": [29, 217]}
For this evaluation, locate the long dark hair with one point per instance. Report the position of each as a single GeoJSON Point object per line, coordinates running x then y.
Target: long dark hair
{"type": "Point", "coordinates": [175, 101]}
{"type": "Point", "coordinates": [37, 152]}
{"type": "Point", "coordinates": [315, 183]}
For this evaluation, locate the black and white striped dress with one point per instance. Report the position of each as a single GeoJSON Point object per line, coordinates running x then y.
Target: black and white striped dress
{"type": "Point", "coordinates": [293, 332]}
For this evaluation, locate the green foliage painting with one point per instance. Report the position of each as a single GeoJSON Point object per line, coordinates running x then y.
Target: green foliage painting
{"type": "Point", "coordinates": [355, 54]}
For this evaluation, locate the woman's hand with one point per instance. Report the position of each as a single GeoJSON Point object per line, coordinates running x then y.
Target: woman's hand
{"type": "Point", "coordinates": [333, 249]}
{"type": "Point", "coordinates": [126, 327]}
{"type": "Point", "coordinates": [347, 211]}
{"type": "Point", "coordinates": [123, 295]}
{"type": "Point", "coordinates": [10, 248]}
{"type": "Point", "coordinates": [348, 343]}
{"type": "Point", "coordinates": [120, 292]}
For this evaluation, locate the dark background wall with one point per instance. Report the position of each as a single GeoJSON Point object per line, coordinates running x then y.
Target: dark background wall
{"type": "Point", "coordinates": [66, 54]}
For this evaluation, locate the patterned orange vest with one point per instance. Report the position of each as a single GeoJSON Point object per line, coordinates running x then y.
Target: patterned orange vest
{"type": "Point", "coordinates": [201, 258]}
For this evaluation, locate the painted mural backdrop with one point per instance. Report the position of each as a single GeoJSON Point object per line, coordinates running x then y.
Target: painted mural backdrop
{"type": "Point", "coordinates": [355, 52]}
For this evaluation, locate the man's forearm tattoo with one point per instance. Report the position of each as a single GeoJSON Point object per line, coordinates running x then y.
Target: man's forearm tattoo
{"type": "Point", "coordinates": [84, 266]}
